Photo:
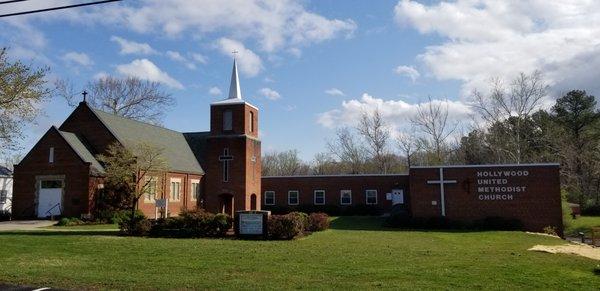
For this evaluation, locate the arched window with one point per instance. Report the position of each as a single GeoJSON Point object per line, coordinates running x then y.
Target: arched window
{"type": "Point", "coordinates": [253, 202]}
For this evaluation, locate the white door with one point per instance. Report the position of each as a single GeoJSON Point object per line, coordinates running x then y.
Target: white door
{"type": "Point", "coordinates": [397, 196]}
{"type": "Point", "coordinates": [50, 198]}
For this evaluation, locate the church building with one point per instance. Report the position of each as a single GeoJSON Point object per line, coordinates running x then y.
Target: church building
{"type": "Point", "coordinates": [220, 171]}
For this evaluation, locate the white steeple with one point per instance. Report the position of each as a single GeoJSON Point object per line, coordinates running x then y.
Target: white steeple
{"type": "Point", "coordinates": [234, 89]}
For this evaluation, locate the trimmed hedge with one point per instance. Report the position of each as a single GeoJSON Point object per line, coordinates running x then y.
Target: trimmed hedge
{"type": "Point", "coordinates": [193, 223]}
{"type": "Point", "coordinates": [295, 224]}
{"type": "Point", "coordinates": [318, 222]}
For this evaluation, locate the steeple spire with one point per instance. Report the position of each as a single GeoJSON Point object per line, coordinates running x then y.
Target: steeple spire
{"type": "Point", "coordinates": [234, 89]}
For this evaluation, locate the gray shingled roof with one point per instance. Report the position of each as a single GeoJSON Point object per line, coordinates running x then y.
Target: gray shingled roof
{"type": "Point", "coordinates": [176, 150]}
{"type": "Point", "coordinates": [82, 151]}
{"type": "Point", "coordinates": [198, 144]}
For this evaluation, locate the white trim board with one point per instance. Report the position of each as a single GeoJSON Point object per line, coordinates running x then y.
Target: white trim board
{"type": "Point", "coordinates": [488, 166]}
{"type": "Point", "coordinates": [341, 175]}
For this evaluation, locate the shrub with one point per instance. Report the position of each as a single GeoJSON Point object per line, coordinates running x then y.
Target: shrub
{"type": "Point", "coordinates": [139, 227]}
{"type": "Point", "coordinates": [69, 221]}
{"type": "Point", "coordinates": [591, 210]}
{"type": "Point", "coordinates": [5, 215]}
{"type": "Point", "coordinates": [303, 218]}
{"type": "Point", "coordinates": [551, 230]}
{"type": "Point", "coordinates": [285, 226]}
{"type": "Point", "coordinates": [193, 223]}
{"type": "Point", "coordinates": [318, 222]}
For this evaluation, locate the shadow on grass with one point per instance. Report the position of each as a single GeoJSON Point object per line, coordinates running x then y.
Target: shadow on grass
{"type": "Point", "coordinates": [61, 233]}
{"type": "Point", "coordinates": [377, 223]}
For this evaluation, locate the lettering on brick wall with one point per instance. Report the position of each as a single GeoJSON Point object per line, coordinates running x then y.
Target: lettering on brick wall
{"type": "Point", "coordinates": [499, 185]}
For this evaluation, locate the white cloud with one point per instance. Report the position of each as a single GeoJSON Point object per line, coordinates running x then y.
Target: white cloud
{"type": "Point", "coordinates": [100, 75]}
{"type": "Point", "coordinates": [75, 58]}
{"type": "Point", "coordinates": [132, 47]}
{"type": "Point", "coordinates": [177, 57]}
{"type": "Point", "coordinates": [273, 24]}
{"type": "Point", "coordinates": [407, 71]}
{"type": "Point", "coordinates": [215, 91]}
{"type": "Point", "coordinates": [199, 58]}
{"type": "Point", "coordinates": [483, 39]}
{"type": "Point", "coordinates": [269, 93]}
{"type": "Point", "coordinates": [334, 92]}
{"type": "Point", "coordinates": [147, 70]}
{"type": "Point", "coordinates": [248, 62]}
{"type": "Point", "coordinates": [396, 113]}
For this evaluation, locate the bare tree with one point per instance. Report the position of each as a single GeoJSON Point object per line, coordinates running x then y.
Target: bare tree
{"type": "Point", "coordinates": [518, 101]}
{"type": "Point", "coordinates": [348, 150]}
{"type": "Point", "coordinates": [408, 144]}
{"type": "Point", "coordinates": [22, 90]}
{"type": "Point", "coordinates": [286, 163]}
{"type": "Point", "coordinates": [325, 164]}
{"type": "Point", "coordinates": [432, 120]}
{"type": "Point", "coordinates": [129, 97]}
{"type": "Point", "coordinates": [374, 130]}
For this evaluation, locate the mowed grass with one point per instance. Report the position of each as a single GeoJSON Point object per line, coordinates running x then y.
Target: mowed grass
{"type": "Point", "coordinates": [582, 224]}
{"type": "Point", "coordinates": [355, 254]}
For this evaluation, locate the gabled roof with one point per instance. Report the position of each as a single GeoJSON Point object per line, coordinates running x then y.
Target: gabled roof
{"type": "Point", "coordinates": [76, 144]}
{"type": "Point", "coordinates": [198, 143]}
{"type": "Point", "coordinates": [129, 132]}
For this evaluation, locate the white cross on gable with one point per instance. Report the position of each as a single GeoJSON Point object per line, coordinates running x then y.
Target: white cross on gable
{"type": "Point", "coordinates": [441, 182]}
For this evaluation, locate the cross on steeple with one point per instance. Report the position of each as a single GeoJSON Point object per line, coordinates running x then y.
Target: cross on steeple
{"type": "Point", "coordinates": [225, 158]}
{"type": "Point", "coordinates": [84, 93]}
{"type": "Point", "coordinates": [234, 52]}
{"type": "Point", "coordinates": [441, 182]}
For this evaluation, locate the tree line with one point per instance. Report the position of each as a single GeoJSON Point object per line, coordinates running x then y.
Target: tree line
{"type": "Point", "coordinates": [511, 124]}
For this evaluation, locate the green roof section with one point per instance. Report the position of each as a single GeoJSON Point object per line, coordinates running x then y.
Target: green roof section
{"type": "Point", "coordinates": [176, 150]}
{"type": "Point", "coordinates": [81, 150]}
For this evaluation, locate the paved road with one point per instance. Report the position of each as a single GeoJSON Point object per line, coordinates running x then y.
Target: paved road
{"type": "Point", "coordinates": [24, 224]}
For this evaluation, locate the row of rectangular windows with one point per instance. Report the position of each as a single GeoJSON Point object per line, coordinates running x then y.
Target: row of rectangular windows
{"type": "Point", "coordinates": [151, 188]}
{"type": "Point", "coordinates": [319, 197]}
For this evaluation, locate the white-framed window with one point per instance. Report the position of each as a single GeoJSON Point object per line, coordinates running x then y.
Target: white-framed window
{"type": "Point", "coordinates": [194, 189]}
{"type": "Point", "coordinates": [51, 155]}
{"type": "Point", "coordinates": [150, 190]}
{"type": "Point", "coordinates": [269, 197]}
{"type": "Point", "coordinates": [346, 197]}
{"type": "Point", "coordinates": [3, 196]}
{"type": "Point", "coordinates": [175, 189]}
{"type": "Point", "coordinates": [227, 120]}
{"type": "Point", "coordinates": [293, 197]}
{"type": "Point", "coordinates": [319, 198]}
{"type": "Point", "coordinates": [371, 197]}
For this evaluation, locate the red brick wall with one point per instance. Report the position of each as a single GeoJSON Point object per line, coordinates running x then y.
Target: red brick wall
{"type": "Point", "coordinates": [537, 205]}
{"type": "Point", "coordinates": [333, 185]}
{"type": "Point", "coordinates": [164, 191]}
{"type": "Point", "coordinates": [76, 200]}
{"type": "Point", "coordinates": [244, 174]}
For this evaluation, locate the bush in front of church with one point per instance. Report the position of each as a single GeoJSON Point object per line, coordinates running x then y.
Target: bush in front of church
{"type": "Point", "coordinates": [193, 223]}
{"type": "Point", "coordinates": [139, 226]}
{"type": "Point", "coordinates": [286, 226]}
{"type": "Point", "coordinates": [318, 222]}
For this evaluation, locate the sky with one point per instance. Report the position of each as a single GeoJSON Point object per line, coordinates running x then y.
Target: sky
{"type": "Point", "coordinates": [310, 66]}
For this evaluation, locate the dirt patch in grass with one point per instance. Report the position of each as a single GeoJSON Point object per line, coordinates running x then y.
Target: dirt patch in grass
{"type": "Point", "coordinates": [572, 249]}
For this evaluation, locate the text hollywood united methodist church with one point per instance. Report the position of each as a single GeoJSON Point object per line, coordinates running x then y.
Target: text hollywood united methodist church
{"type": "Point", "coordinates": [220, 170]}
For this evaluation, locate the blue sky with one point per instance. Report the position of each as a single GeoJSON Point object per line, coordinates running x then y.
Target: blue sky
{"type": "Point", "coordinates": [309, 66]}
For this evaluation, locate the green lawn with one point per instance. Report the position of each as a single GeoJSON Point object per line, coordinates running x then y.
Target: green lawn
{"type": "Point", "coordinates": [355, 254]}
{"type": "Point", "coordinates": [582, 224]}
{"type": "Point", "coordinates": [86, 227]}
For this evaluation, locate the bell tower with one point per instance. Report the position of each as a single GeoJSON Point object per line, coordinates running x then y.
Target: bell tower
{"type": "Point", "coordinates": [233, 167]}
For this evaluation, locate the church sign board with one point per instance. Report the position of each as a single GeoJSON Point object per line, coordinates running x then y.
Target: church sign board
{"type": "Point", "coordinates": [251, 224]}
{"type": "Point", "coordinates": [529, 193]}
